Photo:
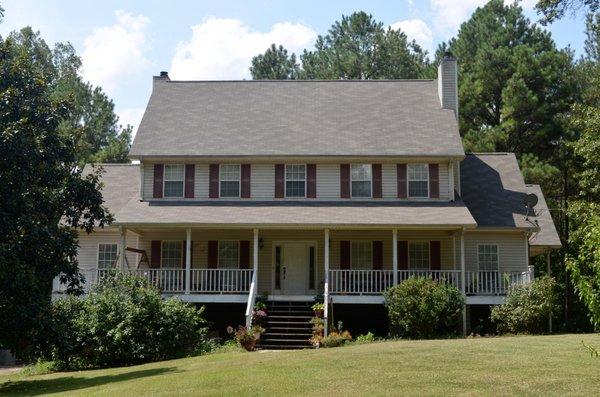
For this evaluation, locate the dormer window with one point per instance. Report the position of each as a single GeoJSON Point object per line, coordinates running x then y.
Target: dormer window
{"type": "Point", "coordinates": [230, 180]}
{"type": "Point", "coordinates": [295, 180]}
{"type": "Point", "coordinates": [418, 180]}
{"type": "Point", "coordinates": [361, 180]}
{"type": "Point", "coordinates": [174, 177]}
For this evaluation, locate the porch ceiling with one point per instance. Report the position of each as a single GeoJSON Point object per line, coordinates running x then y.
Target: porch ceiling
{"type": "Point", "coordinates": [313, 214]}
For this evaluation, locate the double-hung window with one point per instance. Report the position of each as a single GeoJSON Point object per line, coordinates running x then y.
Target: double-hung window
{"type": "Point", "coordinates": [174, 177]}
{"type": "Point", "coordinates": [172, 254]}
{"type": "Point", "coordinates": [487, 256]}
{"type": "Point", "coordinates": [229, 254]}
{"type": "Point", "coordinates": [418, 255]}
{"type": "Point", "coordinates": [360, 175]}
{"type": "Point", "coordinates": [361, 255]}
{"type": "Point", "coordinates": [230, 180]}
{"type": "Point", "coordinates": [107, 255]}
{"type": "Point", "coordinates": [418, 180]}
{"type": "Point", "coordinates": [295, 180]}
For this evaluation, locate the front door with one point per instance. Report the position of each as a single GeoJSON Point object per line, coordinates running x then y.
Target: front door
{"type": "Point", "coordinates": [294, 268]}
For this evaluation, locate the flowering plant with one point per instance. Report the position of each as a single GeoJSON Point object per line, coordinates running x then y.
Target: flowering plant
{"type": "Point", "coordinates": [258, 316]}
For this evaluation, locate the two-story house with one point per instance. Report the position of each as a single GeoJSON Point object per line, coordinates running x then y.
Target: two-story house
{"type": "Point", "coordinates": [293, 189]}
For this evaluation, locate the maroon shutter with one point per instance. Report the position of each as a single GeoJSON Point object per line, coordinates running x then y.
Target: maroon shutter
{"type": "Point", "coordinates": [434, 181]}
{"type": "Point", "coordinates": [190, 175]}
{"type": "Point", "coordinates": [244, 254]}
{"type": "Point", "coordinates": [377, 255]}
{"type": "Point", "coordinates": [344, 254]}
{"type": "Point", "coordinates": [155, 247]}
{"type": "Point", "coordinates": [279, 180]}
{"type": "Point", "coordinates": [435, 255]}
{"type": "Point", "coordinates": [213, 177]}
{"type": "Point", "coordinates": [377, 189]}
{"type": "Point", "coordinates": [401, 179]}
{"type": "Point", "coordinates": [402, 255]}
{"type": "Point", "coordinates": [345, 180]}
{"type": "Point", "coordinates": [159, 171]}
{"type": "Point", "coordinates": [246, 172]}
{"type": "Point", "coordinates": [183, 254]}
{"type": "Point", "coordinates": [213, 254]}
{"type": "Point", "coordinates": [311, 180]}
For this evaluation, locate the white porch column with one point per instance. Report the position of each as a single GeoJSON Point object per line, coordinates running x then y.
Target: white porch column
{"type": "Point", "coordinates": [462, 279]}
{"type": "Point", "coordinates": [122, 259]}
{"type": "Point", "coordinates": [326, 282]}
{"type": "Point", "coordinates": [395, 256]}
{"type": "Point", "coordinates": [188, 259]}
{"type": "Point", "coordinates": [254, 282]}
{"type": "Point", "coordinates": [255, 253]}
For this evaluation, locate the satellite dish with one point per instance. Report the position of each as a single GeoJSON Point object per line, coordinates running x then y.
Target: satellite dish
{"type": "Point", "coordinates": [531, 200]}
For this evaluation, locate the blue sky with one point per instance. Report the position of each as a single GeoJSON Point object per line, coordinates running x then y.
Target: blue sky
{"type": "Point", "coordinates": [124, 43]}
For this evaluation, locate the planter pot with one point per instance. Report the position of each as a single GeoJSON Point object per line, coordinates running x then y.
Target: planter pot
{"type": "Point", "coordinates": [319, 313]}
{"type": "Point", "coordinates": [249, 346]}
{"type": "Point", "coordinates": [257, 336]}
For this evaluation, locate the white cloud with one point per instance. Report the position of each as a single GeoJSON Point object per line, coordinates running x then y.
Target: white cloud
{"type": "Point", "coordinates": [222, 49]}
{"type": "Point", "coordinates": [449, 14]}
{"type": "Point", "coordinates": [417, 30]}
{"type": "Point", "coordinates": [113, 53]}
{"type": "Point", "coordinates": [131, 116]}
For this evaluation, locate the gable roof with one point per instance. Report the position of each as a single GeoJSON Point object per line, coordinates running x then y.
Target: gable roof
{"type": "Point", "coordinates": [493, 189]}
{"type": "Point", "coordinates": [296, 118]}
{"type": "Point", "coordinates": [120, 183]}
{"type": "Point", "coordinates": [547, 236]}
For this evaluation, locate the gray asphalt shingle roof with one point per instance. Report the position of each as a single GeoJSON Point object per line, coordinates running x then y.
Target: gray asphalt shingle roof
{"type": "Point", "coordinates": [547, 235]}
{"type": "Point", "coordinates": [121, 183]}
{"type": "Point", "coordinates": [296, 118]}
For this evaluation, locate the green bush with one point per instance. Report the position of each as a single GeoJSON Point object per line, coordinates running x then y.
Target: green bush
{"type": "Point", "coordinates": [365, 338]}
{"type": "Point", "coordinates": [123, 321]}
{"type": "Point", "coordinates": [527, 308]}
{"type": "Point", "coordinates": [335, 339]}
{"type": "Point", "coordinates": [423, 308]}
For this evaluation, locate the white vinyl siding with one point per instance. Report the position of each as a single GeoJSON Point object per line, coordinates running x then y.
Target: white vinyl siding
{"type": "Point", "coordinates": [511, 248]}
{"type": "Point", "coordinates": [263, 185]}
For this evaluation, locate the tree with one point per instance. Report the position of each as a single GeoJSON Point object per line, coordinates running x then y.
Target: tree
{"type": "Point", "coordinates": [553, 10]}
{"type": "Point", "coordinates": [44, 199]}
{"type": "Point", "coordinates": [91, 120]}
{"type": "Point", "coordinates": [275, 64]}
{"type": "Point", "coordinates": [358, 47]}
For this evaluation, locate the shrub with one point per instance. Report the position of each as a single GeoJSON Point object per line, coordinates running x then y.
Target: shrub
{"type": "Point", "coordinates": [423, 308]}
{"type": "Point", "coordinates": [527, 307]}
{"type": "Point", "coordinates": [335, 339]}
{"type": "Point", "coordinates": [365, 338]}
{"type": "Point", "coordinates": [123, 321]}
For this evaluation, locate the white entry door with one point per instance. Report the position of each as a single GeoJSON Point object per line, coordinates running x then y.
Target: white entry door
{"type": "Point", "coordinates": [294, 269]}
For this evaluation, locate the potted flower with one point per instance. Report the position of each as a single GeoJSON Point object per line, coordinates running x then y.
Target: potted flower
{"type": "Point", "coordinates": [319, 309]}
{"type": "Point", "coordinates": [244, 338]}
{"type": "Point", "coordinates": [257, 331]}
{"type": "Point", "coordinates": [258, 316]}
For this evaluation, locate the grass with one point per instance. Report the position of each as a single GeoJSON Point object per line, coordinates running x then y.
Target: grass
{"type": "Point", "coordinates": [525, 365]}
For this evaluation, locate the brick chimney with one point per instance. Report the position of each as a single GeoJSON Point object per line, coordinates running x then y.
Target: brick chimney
{"type": "Point", "coordinates": [448, 83]}
{"type": "Point", "coordinates": [163, 76]}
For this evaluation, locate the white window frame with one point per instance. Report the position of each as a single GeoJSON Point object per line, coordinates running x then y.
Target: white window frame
{"type": "Point", "coordinates": [237, 242]}
{"type": "Point", "coordinates": [410, 267]}
{"type": "Point", "coordinates": [239, 180]}
{"type": "Point", "coordinates": [162, 250]}
{"type": "Point", "coordinates": [98, 254]}
{"type": "Point", "coordinates": [497, 257]}
{"type": "Point", "coordinates": [294, 180]}
{"type": "Point", "coordinates": [408, 180]}
{"type": "Point", "coordinates": [174, 180]}
{"type": "Point", "coordinates": [352, 242]}
{"type": "Point", "coordinates": [362, 180]}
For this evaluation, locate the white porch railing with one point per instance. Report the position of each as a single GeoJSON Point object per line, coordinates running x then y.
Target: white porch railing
{"type": "Point", "coordinates": [451, 277]}
{"type": "Point", "coordinates": [172, 280]}
{"type": "Point", "coordinates": [360, 281]}
{"type": "Point", "coordinates": [490, 282]}
{"type": "Point", "coordinates": [209, 281]}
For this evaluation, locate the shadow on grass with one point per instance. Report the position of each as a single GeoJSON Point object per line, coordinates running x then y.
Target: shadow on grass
{"type": "Point", "coordinates": [71, 383]}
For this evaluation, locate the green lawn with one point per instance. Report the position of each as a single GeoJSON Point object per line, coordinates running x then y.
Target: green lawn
{"type": "Point", "coordinates": [538, 365]}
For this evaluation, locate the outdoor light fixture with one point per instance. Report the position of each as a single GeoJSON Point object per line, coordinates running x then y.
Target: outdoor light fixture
{"type": "Point", "coordinates": [261, 243]}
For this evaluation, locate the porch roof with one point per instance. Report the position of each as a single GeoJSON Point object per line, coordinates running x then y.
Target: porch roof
{"type": "Point", "coordinates": [313, 214]}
